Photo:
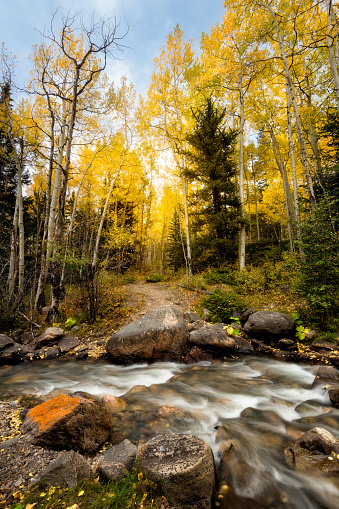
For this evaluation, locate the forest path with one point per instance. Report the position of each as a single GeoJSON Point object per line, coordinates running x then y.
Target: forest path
{"type": "Point", "coordinates": [142, 297]}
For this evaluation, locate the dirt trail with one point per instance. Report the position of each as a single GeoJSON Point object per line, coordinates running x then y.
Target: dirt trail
{"type": "Point", "coordinates": [143, 297]}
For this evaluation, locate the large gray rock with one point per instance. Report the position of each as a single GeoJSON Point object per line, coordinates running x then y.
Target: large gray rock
{"type": "Point", "coordinates": [183, 468]}
{"type": "Point", "coordinates": [67, 471]}
{"type": "Point", "coordinates": [117, 461]}
{"type": "Point", "coordinates": [317, 449]}
{"type": "Point", "coordinates": [67, 342]}
{"type": "Point", "coordinates": [68, 422]}
{"type": "Point", "coordinates": [10, 351]}
{"type": "Point", "coordinates": [212, 337]}
{"type": "Point", "coordinates": [161, 334]}
{"type": "Point", "coordinates": [269, 325]}
{"type": "Point", "coordinates": [50, 335]}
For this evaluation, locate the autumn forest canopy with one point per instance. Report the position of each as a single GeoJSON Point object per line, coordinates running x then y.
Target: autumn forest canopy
{"type": "Point", "coordinates": [230, 161]}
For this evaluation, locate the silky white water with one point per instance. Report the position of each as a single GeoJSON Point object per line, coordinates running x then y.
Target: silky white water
{"type": "Point", "coordinates": [263, 404]}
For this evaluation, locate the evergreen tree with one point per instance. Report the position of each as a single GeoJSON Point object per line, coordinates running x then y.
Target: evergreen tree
{"type": "Point", "coordinates": [176, 242]}
{"type": "Point", "coordinates": [212, 171]}
{"type": "Point", "coordinates": [328, 185]}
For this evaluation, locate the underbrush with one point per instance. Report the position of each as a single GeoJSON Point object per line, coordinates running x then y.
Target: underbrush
{"type": "Point", "coordinates": [133, 491]}
{"type": "Point", "coordinates": [270, 286]}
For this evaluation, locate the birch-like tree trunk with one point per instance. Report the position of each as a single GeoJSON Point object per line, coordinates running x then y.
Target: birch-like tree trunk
{"type": "Point", "coordinates": [104, 212]}
{"type": "Point", "coordinates": [290, 212]}
{"type": "Point", "coordinates": [242, 228]}
{"type": "Point", "coordinates": [45, 263]}
{"type": "Point", "coordinates": [332, 40]}
{"type": "Point", "coordinates": [304, 157]}
{"type": "Point", "coordinates": [294, 169]}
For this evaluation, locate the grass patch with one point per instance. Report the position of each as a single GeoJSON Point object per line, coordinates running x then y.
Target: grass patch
{"type": "Point", "coordinates": [133, 491]}
{"type": "Point", "coordinates": [154, 278]}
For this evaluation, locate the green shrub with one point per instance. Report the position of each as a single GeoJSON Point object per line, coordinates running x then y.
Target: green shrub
{"type": "Point", "coordinates": [221, 275]}
{"type": "Point", "coordinates": [222, 304]}
{"type": "Point", "coordinates": [317, 270]}
{"type": "Point", "coordinates": [154, 278]}
{"type": "Point", "coordinates": [70, 322]}
{"type": "Point", "coordinates": [128, 279]}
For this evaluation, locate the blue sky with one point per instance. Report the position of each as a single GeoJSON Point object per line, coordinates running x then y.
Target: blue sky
{"type": "Point", "coordinates": [150, 21]}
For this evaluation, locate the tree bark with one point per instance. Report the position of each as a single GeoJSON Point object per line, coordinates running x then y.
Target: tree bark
{"type": "Point", "coordinates": [304, 157]}
{"type": "Point", "coordinates": [332, 40]}
{"type": "Point", "coordinates": [242, 228]}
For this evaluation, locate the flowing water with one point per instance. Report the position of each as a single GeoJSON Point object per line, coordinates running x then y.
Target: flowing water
{"type": "Point", "coordinates": [260, 405]}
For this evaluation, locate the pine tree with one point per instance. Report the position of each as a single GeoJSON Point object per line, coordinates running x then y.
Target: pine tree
{"type": "Point", "coordinates": [212, 171]}
{"type": "Point", "coordinates": [176, 241]}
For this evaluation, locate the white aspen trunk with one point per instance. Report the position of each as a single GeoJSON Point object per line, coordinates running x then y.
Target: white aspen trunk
{"type": "Point", "coordinates": [21, 261]}
{"type": "Point", "coordinates": [291, 147]}
{"type": "Point", "coordinates": [310, 126]}
{"type": "Point", "coordinates": [302, 143]}
{"type": "Point", "coordinates": [13, 255]}
{"type": "Point", "coordinates": [52, 208]}
{"type": "Point", "coordinates": [40, 291]}
{"type": "Point", "coordinates": [242, 228]}
{"type": "Point", "coordinates": [256, 208]}
{"type": "Point", "coordinates": [184, 194]}
{"type": "Point", "coordinates": [249, 205]}
{"type": "Point", "coordinates": [287, 192]}
{"type": "Point", "coordinates": [19, 206]}
{"type": "Point", "coordinates": [181, 167]}
{"type": "Point", "coordinates": [188, 236]}
{"type": "Point", "coordinates": [71, 223]}
{"type": "Point", "coordinates": [104, 212]}
{"type": "Point", "coordinates": [331, 39]}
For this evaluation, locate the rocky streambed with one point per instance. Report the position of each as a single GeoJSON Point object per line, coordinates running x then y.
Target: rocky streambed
{"type": "Point", "coordinates": [272, 425]}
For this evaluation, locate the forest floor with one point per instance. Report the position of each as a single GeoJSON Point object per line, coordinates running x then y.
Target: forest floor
{"type": "Point", "coordinates": [141, 297]}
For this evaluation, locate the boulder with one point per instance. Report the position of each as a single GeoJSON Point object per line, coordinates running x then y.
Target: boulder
{"type": "Point", "coordinates": [67, 342]}
{"type": "Point", "coordinates": [213, 337]}
{"type": "Point", "coordinates": [117, 461]}
{"type": "Point", "coordinates": [191, 317]}
{"type": "Point", "coordinates": [197, 354]}
{"type": "Point", "coordinates": [246, 314]}
{"type": "Point", "coordinates": [326, 375]}
{"type": "Point", "coordinates": [113, 403]}
{"type": "Point", "coordinates": [48, 336]}
{"type": "Point", "coordinates": [320, 345]}
{"type": "Point", "coordinates": [67, 422]}
{"type": "Point", "coordinates": [243, 346]}
{"type": "Point", "coordinates": [199, 324]}
{"type": "Point", "coordinates": [10, 351]}
{"type": "Point", "coordinates": [27, 337]}
{"type": "Point", "coordinates": [16, 335]}
{"type": "Point", "coordinates": [270, 325]}
{"type": "Point", "coordinates": [317, 449]}
{"type": "Point", "coordinates": [49, 353]}
{"type": "Point", "coordinates": [67, 471]}
{"type": "Point", "coordinates": [333, 394]}
{"type": "Point", "coordinates": [183, 468]}
{"type": "Point", "coordinates": [160, 334]}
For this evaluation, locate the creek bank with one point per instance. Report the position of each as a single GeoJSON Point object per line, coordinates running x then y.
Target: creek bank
{"type": "Point", "coordinates": [166, 333]}
{"type": "Point", "coordinates": [22, 461]}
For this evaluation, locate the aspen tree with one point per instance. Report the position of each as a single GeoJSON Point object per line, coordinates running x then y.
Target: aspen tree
{"type": "Point", "coordinates": [167, 103]}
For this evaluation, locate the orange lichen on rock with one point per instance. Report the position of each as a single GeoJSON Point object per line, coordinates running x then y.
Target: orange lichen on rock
{"type": "Point", "coordinates": [48, 413]}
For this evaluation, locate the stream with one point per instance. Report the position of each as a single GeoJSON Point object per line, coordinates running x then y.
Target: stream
{"type": "Point", "coordinates": [261, 405]}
